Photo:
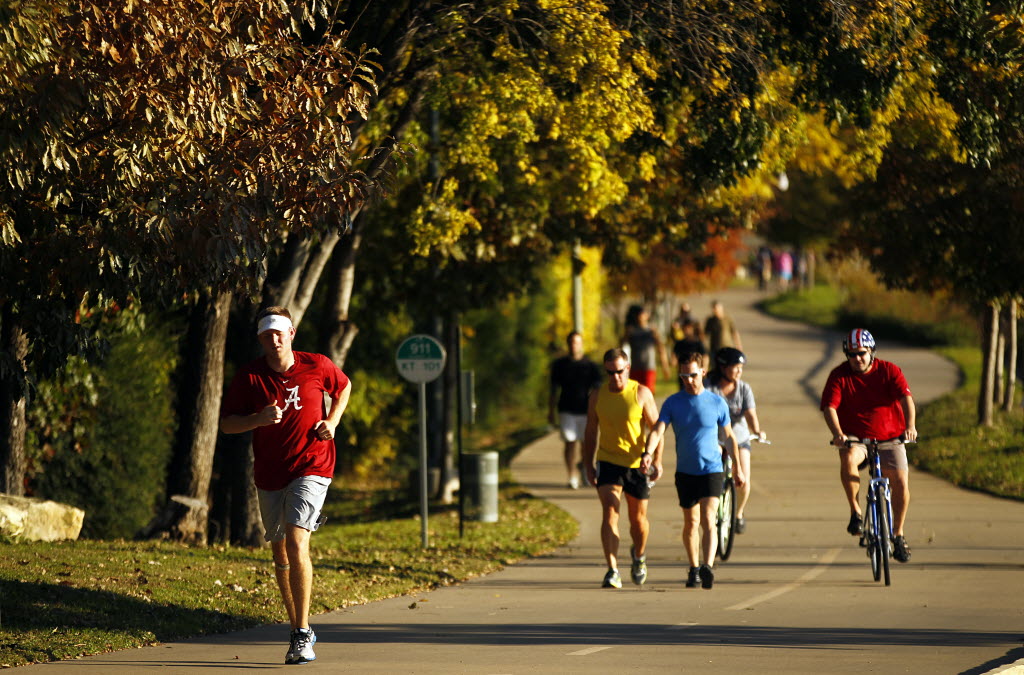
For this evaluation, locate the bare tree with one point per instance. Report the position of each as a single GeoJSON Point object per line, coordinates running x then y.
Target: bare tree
{"type": "Point", "coordinates": [990, 332]}
{"type": "Point", "coordinates": [14, 342]}
{"type": "Point", "coordinates": [1011, 354]}
{"type": "Point", "coordinates": [185, 516]}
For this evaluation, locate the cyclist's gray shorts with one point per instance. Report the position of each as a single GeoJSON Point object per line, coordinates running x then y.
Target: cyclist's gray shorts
{"type": "Point", "coordinates": [299, 503]}
{"type": "Point", "coordinates": [891, 454]}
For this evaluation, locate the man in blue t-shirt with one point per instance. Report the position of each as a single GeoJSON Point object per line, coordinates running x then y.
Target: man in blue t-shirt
{"type": "Point", "coordinates": [696, 415]}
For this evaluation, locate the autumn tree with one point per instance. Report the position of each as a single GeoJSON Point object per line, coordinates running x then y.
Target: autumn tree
{"type": "Point", "coordinates": [159, 150]}
{"type": "Point", "coordinates": [945, 210]}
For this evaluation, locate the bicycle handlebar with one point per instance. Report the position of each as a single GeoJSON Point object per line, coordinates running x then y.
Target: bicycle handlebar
{"type": "Point", "coordinates": [874, 441]}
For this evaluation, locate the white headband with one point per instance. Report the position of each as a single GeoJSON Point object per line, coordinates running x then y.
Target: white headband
{"type": "Point", "coordinates": [274, 322]}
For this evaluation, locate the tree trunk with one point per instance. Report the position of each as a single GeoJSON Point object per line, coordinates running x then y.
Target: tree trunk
{"type": "Point", "coordinates": [338, 333]}
{"type": "Point", "coordinates": [247, 522]}
{"type": "Point", "coordinates": [13, 388]}
{"type": "Point", "coordinates": [297, 273]}
{"type": "Point", "coordinates": [997, 379]}
{"type": "Point", "coordinates": [237, 516]}
{"type": "Point", "coordinates": [1011, 348]}
{"type": "Point", "coordinates": [990, 330]}
{"type": "Point", "coordinates": [185, 516]}
{"type": "Point", "coordinates": [445, 460]}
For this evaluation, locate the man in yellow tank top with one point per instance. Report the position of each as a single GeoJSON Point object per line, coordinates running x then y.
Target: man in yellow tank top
{"type": "Point", "coordinates": [618, 415]}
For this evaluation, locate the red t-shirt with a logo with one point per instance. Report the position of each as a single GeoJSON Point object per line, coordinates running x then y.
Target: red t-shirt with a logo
{"type": "Point", "coordinates": [867, 404]}
{"type": "Point", "coordinates": [290, 449]}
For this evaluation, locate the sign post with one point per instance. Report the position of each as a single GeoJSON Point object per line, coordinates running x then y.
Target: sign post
{"type": "Point", "coordinates": [421, 359]}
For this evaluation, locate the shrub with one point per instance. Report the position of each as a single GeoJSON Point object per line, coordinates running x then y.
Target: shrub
{"type": "Point", "coordinates": [100, 434]}
{"type": "Point", "coordinates": [907, 316]}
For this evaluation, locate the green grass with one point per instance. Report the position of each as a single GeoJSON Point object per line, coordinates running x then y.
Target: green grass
{"type": "Point", "coordinates": [901, 316]}
{"type": "Point", "coordinates": [953, 446]}
{"type": "Point", "coordinates": [817, 306]}
{"type": "Point", "coordinates": [66, 599]}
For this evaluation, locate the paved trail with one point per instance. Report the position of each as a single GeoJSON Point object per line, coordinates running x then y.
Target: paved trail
{"type": "Point", "coordinates": [796, 597]}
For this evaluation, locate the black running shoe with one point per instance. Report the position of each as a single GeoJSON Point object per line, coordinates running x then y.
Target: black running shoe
{"type": "Point", "coordinates": [707, 577]}
{"type": "Point", "coordinates": [693, 578]}
{"type": "Point", "coordinates": [856, 526]}
{"type": "Point", "coordinates": [902, 552]}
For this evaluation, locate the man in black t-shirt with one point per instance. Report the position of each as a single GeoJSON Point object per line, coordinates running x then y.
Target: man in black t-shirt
{"type": "Point", "coordinates": [573, 377]}
{"type": "Point", "coordinates": [689, 343]}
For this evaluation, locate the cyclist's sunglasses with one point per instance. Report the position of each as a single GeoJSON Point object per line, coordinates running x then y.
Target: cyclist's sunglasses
{"type": "Point", "coordinates": [616, 372]}
{"type": "Point", "coordinates": [848, 354]}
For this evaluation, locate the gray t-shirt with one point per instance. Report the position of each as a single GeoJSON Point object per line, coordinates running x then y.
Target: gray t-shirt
{"type": "Point", "coordinates": [740, 401]}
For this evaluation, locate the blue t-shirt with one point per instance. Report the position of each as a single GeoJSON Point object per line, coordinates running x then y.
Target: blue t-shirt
{"type": "Point", "coordinates": [695, 421]}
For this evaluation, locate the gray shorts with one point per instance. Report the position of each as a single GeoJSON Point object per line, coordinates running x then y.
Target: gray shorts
{"type": "Point", "coordinates": [891, 454]}
{"type": "Point", "coordinates": [300, 503]}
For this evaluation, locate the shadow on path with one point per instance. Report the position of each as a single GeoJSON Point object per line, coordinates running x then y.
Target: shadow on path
{"type": "Point", "coordinates": [576, 634]}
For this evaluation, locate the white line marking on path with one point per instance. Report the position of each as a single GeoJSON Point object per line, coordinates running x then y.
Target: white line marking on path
{"type": "Point", "coordinates": [826, 560]}
{"type": "Point", "coordinates": [589, 651]}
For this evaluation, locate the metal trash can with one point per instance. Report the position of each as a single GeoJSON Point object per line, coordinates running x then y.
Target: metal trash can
{"type": "Point", "coordinates": [480, 482]}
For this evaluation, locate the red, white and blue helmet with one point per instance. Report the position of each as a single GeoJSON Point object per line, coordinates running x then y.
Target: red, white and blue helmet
{"type": "Point", "coordinates": [857, 339]}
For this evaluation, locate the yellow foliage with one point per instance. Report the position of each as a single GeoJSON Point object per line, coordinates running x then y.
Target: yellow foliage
{"type": "Point", "coordinates": [914, 112]}
{"type": "Point", "coordinates": [646, 165]}
{"type": "Point", "coordinates": [440, 222]}
{"type": "Point", "coordinates": [593, 280]}
{"type": "Point", "coordinates": [508, 112]}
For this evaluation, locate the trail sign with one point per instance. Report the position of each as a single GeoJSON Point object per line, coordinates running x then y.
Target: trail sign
{"type": "Point", "coordinates": [420, 358]}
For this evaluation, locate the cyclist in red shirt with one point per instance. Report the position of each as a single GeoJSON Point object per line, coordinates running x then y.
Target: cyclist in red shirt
{"type": "Point", "coordinates": [280, 398]}
{"type": "Point", "coordinates": [867, 397]}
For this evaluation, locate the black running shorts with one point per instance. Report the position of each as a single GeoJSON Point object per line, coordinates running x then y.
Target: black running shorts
{"type": "Point", "coordinates": [691, 489]}
{"type": "Point", "coordinates": [632, 481]}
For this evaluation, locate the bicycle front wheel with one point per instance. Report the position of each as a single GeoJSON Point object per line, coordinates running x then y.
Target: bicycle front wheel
{"type": "Point", "coordinates": [726, 520]}
{"type": "Point", "coordinates": [884, 536]}
{"type": "Point", "coordinates": [871, 538]}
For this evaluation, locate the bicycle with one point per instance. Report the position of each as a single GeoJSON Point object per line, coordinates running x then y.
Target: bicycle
{"type": "Point", "coordinates": [727, 505]}
{"type": "Point", "coordinates": [877, 536]}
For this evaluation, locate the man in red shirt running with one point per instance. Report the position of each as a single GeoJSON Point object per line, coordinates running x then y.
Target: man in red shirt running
{"type": "Point", "coordinates": [280, 398]}
{"type": "Point", "coordinates": [867, 397]}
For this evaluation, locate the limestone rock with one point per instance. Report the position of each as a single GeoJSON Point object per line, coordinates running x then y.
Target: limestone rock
{"type": "Point", "coordinates": [33, 519]}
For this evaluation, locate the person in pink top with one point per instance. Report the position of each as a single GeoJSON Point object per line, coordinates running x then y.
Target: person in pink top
{"type": "Point", "coordinates": [280, 398]}
{"type": "Point", "coordinates": [866, 397]}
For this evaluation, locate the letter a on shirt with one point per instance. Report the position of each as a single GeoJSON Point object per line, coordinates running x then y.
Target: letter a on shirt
{"type": "Point", "coordinates": [293, 398]}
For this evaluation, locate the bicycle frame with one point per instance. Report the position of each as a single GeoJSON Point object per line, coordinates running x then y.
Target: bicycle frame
{"type": "Point", "coordinates": [878, 533]}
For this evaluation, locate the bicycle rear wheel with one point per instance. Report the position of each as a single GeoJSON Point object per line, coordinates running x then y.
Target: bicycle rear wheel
{"type": "Point", "coordinates": [726, 519]}
{"type": "Point", "coordinates": [884, 535]}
